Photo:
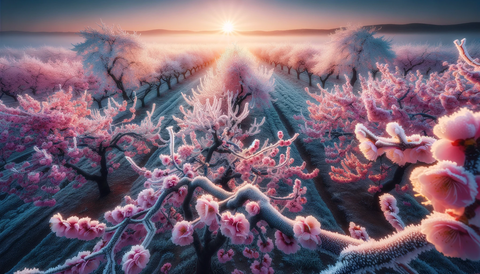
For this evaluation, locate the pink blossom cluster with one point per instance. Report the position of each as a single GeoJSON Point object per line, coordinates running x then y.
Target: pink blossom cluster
{"type": "Point", "coordinates": [236, 227]}
{"type": "Point", "coordinates": [388, 204]}
{"type": "Point", "coordinates": [74, 227]}
{"type": "Point", "coordinates": [399, 148]}
{"type": "Point", "coordinates": [263, 266]}
{"type": "Point", "coordinates": [225, 256]}
{"type": "Point", "coordinates": [358, 232]}
{"type": "Point", "coordinates": [451, 186]}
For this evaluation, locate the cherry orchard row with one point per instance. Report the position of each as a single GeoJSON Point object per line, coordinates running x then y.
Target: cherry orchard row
{"type": "Point", "coordinates": [110, 61]}
{"type": "Point", "coordinates": [355, 50]}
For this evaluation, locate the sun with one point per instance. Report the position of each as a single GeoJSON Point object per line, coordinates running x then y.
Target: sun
{"type": "Point", "coordinates": [227, 27]}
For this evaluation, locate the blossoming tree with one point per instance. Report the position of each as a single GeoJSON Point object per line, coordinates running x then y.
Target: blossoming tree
{"type": "Point", "coordinates": [69, 141]}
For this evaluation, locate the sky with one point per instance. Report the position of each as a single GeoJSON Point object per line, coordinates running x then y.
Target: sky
{"type": "Point", "coordinates": [245, 15]}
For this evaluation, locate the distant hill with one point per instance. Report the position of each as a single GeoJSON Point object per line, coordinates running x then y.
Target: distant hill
{"type": "Point", "coordinates": [382, 28]}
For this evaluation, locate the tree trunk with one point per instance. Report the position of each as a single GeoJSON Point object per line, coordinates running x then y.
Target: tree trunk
{"type": "Point", "coordinates": [310, 79]}
{"type": "Point", "coordinates": [143, 101]}
{"type": "Point", "coordinates": [289, 68]}
{"type": "Point", "coordinates": [102, 183]}
{"type": "Point", "coordinates": [168, 83]}
{"type": "Point", "coordinates": [176, 77]}
{"type": "Point", "coordinates": [158, 90]}
{"type": "Point", "coordinates": [99, 103]}
{"type": "Point", "coordinates": [103, 187]}
{"type": "Point", "coordinates": [281, 66]}
{"type": "Point", "coordinates": [354, 77]}
{"type": "Point", "coordinates": [204, 263]}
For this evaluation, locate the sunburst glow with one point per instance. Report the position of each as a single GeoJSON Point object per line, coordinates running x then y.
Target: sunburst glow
{"type": "Point", "coordinates": [227, 27]}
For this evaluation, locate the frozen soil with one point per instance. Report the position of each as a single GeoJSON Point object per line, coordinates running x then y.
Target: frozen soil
{"type": "Point", "coordinates": [26, 240]}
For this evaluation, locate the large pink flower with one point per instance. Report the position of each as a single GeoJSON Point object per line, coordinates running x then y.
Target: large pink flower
{"type": "Point", "coordinates": [452, 238]}
{"type": "Point", "coordinates": [445, 185]}
{"type": "Point", "coordinates": [460, 125]}
{"type": "Point", "coordinates": [135, 260]}
{"type": "Point", "coordinates": [207, 209]}
{"type": "Point", "coordinates": [182, 233]}
{"type": "Point", "coordinates": [455, 130]}
{"type": "Point", "coordinates": [307, 231]}
{"type": "Point", "coordinates": [285, 243]}
{"type": "Point", "coordinates": [235, 227]}
{"type": "Point", "coordinates": [446, 150]}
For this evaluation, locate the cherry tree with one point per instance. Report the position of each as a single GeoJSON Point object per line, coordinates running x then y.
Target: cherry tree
{"type": "Point", "coordinates": [69, 141]}
{"type": "Point", "coordinates": [113, 55]}
{"type": "Point", "coordinates": [238, 73]}
{"type": "Point", "coordinates": [425, 58]}
{"type": "Point", "coordinates": [353, 50]}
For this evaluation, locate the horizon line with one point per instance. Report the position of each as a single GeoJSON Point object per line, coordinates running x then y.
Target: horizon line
{"type": "Point", "coordinates": [245, 31]}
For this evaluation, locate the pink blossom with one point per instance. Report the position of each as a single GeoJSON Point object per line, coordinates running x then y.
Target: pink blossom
{"type": "Point", "coordinates": [170, 181]}
{"type": "Point", "coordinates": [422, 153]}
{"type": "Point", "coordinates": [307, 231]}
{"type": "Point", "coordinates": [460, 125]}
{"type": "Point", "coordinates": [445, 185]}
{"type": "Point", "coordinates": [165, 159]}
{"type": "Point", "coordinates": [58, 225]}
{"type": "Point", "coordinates": [165, 268]}
{"type": "Point", "coordinates": [207, 209]}
{"type": "Point", "coordinates": [253, 208]}
{"type": "Point", "coordinates": [135, 260]}
{"type": "Point", "coordinates": [369, 150]}
{"type": "Point", "coordinates": [223, 256]}
{"type": "Point", "coordinates": [146, 198]}
{"type": "Point", "coordinates": [235, 227]}
{"type": "Point", "coordinates": [388, 203]}
{"type": "Point", "coordinates": [452, 238]}
{"type": "Point", "coordinates": [396, 156]}
{"type": "Point", "coordinates": [285, 243]}
{"type": "Point", "coordinates": [446, 150]}
{"type": "Point", "coordinates": [265, 247]}
{"type": "Point", "coordinates": [80, 265]}
{"type": "Point", "coordinates": [182, 233]}
{"type": "Point", "coordinates": [358, 232]}
{"type": "Point", "coordinates": [250, 253]}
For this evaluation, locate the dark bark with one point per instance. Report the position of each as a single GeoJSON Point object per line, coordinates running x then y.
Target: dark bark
{"type": "Point", "coordinates": [354, 77]}
{"type": "Point", "coordinates": [99, 102]}
{"type": "Point", "coordinates": [158, 89]}
{"type": "Point", "coordinates": [324, 81]}
{"type": "Point", "coordinates": [390, 184]}
{"type": "Point", "coordinates": [298, 74]}
{"type": "Point", "coordinates": [102, 183]}
{"type": "Point", "coordinates": [309, 78]}
{"type": "Point", "coordinates": [289, 68]}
